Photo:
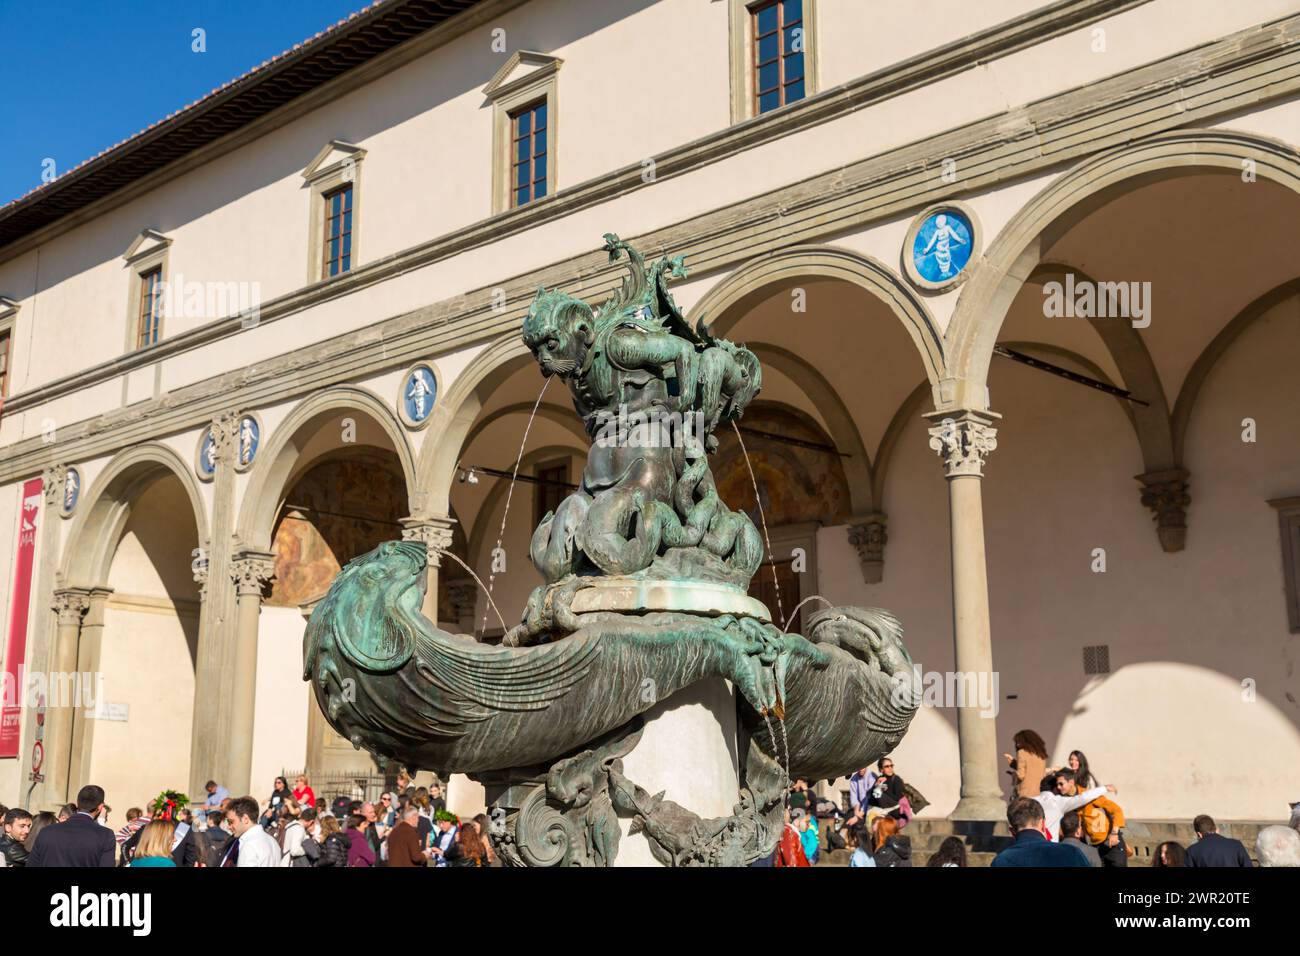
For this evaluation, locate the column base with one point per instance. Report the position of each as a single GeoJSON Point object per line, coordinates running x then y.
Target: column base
{"type": "Point", "coordinates": [982, 809]}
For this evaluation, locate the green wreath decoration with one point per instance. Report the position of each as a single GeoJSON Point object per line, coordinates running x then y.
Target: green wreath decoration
{"type": "Point", "coordinates": [168, 804]}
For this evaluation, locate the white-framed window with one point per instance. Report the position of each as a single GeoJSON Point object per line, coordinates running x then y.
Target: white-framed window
{"type": "Point", "coordinates": [525, 102]}
{"type": "Point", "coordinates": [8, 319]}
{"type": "Point", "coordinates": [146, 260]}
{"type": "Point", "coordinates": [334, 178]}
{"type": "Point", "coordinates": [773, 55]}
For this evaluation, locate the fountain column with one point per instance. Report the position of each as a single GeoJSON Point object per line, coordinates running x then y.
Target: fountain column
{"type": "Point", "coordinates": [963, 438]}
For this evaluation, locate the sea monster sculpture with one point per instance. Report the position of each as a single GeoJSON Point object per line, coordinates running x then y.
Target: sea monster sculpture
{"type": "Point", "coordinates": [645, 572]}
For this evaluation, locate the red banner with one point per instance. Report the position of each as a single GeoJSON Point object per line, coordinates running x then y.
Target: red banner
{"type": "Point", "coordinates": [16, 651]}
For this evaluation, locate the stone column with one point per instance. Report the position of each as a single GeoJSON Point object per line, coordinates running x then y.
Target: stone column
{"type": "Point", "coordinates": [70, 606]}
{"type": "Point", "coordinates": [251, 571]}
{"type": "Point", "coordinates": [88, 687]}
{"type": "Point", "coordinates": [869, 535]}
{"type": "Point", "coordinates": [43, 634]}
{"type": "Point", "coordinates": [435, 532]}
{"type": "Point", "coordinates": [963, 439]}
{"type": "Point", "coordinates": [214, 664]}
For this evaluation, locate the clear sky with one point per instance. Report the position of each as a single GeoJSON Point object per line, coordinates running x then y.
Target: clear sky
{"type": "Point", "coordinates": [78, 76]}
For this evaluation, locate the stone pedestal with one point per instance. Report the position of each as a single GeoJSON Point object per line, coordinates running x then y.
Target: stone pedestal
{"type": "Point", "coordinates": [689, 751]}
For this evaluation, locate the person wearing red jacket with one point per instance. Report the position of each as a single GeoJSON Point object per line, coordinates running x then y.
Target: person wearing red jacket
{"type": "Point", "coordinates": [789, 851]}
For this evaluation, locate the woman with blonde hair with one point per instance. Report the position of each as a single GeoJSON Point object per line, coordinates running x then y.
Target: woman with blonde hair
{"type": "Point", "coordinates": [155, 846]}
{"type": "Point", "coordinates": [302, 791]}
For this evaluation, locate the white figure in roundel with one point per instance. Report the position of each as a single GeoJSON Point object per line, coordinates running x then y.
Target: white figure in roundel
{"type": "Point", "coordinates": [210, 453]}
{"type": "Point", "coordinates": [941, 243]}
{"type": "Point", "coordinates": [419, 393]}
{"type": "Point", "coordinates": [246, 441]}
{"type": "Point", "coordinates": [70, 483]}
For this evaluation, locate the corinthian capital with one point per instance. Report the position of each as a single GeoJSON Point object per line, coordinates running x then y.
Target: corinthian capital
{"type": "Point", "coordinates": [71, 604]}
{"type": "Point", "coordinates": [963, 439]}
{"type": "Point", "coordinates": [252, 571]}
{"type": "Point", "coordinates": [434, 531]}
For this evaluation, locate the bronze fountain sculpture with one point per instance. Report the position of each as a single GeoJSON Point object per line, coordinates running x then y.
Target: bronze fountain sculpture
{"type": "Point", "coordinates": [645, 572]}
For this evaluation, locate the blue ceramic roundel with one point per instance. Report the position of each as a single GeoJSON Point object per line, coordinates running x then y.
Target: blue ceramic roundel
{"type": "Point", "coordinates": [419, 392]}
{"type": "Point", "coordinates": [942, 246]}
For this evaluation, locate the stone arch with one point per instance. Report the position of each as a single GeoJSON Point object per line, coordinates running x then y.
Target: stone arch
{"type": "Point", "coordinates": [277, 460]}
{"type": "Point", "coordinates": [454, 418]}
{"type": "Point", "coordinates": [842, 429]}
{"type": "Point", "coordinates": [564, 417]}
{"type": "Point", "coordinates": [907, 412]}
{"type": "Point", "coordinates": [479, 533]}
{"type": "Point", "coordinates": [724, 304]}
{"type": "Point", "coordinates": [1218, 347]}
{"type": "Point", "coordinates": [96, 530]}
{"type": "Point", "coordinates": [1128, 350]}
{"type": "Point", "coordinates": [1013, 256]}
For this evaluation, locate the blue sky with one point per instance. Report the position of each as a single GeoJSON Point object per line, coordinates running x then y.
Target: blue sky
{"type": "Point", "coordinates": [79, 76]}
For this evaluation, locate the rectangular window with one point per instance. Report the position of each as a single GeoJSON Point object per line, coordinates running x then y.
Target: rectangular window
{"type": "Point", "coordinates": [779, 44]}
{"type": "Point", "coordinates": [151, 303]}
{"type": "Point", "coordinates": [552, 487]}
{"type": "Point", "coordinates": [528, 153]}
{"type": "Point", "coordinates": [5, 339]}
{"type": "Point", "coordinates": [338, 232]}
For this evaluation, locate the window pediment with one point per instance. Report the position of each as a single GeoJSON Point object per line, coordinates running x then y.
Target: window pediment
{"type": "Point", "coordinates": [521, 70]}
{"type": "Point", "coordinates": [148, 243]}
{"type": "Point", "coordinates": [333, 156]}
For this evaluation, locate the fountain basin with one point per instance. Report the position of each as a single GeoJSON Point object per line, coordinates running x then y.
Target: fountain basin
{"type": "Point", "coordinates": [633, 595]}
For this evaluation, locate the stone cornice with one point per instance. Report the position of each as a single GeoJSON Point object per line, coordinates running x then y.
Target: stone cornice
{"type": "Point", "coordinates": [1197, 86]}
{"type": "Point", "coordinates": [928, 67]}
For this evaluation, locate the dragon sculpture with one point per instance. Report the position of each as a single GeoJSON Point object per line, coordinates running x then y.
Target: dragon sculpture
{"type": "Point", "coordinates": [644, 572]}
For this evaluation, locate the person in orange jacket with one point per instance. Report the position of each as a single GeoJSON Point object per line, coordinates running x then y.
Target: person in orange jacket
{"type": "Point", "coordinates": [789, 851]}
{"type": "Point", "coordinates": [1103, 822]}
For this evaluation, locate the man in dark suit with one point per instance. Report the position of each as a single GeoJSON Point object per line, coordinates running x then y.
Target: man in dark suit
{"type": "Point", "coordinates": [81, 841]}
{"type": "Point", "coordinates": [1210, 849]}
{"type": "Point", "coordinates": [1032, 847]}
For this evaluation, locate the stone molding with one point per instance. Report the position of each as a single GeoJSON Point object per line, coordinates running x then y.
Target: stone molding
{"type": "Point", "coordinates": [963, 440]}
{"type": "Point", "coordinates": [52, 484]}
{"type": "Point", "coordinates": [1152, 99]}
{"type": "Point", "coordinates": [1165, 493]}
{"type": "Point", "coordinates": [225, 436]}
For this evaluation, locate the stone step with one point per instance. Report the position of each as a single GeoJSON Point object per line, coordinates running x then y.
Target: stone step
{"type": "Point", "coordinates": [984, 840]}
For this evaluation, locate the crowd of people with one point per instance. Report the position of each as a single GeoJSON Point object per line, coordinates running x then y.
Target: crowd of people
{"type": "Point", "coordinates": [1064, 816]}
{"type": "Point", "coordinates": [408, 827]}
{"type": "Point", "coordinates": [1058, 816]}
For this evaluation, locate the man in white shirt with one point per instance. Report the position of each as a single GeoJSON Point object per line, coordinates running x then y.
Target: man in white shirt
{"type": "Point", "coordinates": [252, 845]}
{"type": "Point", "coordinates": [1056, 805]}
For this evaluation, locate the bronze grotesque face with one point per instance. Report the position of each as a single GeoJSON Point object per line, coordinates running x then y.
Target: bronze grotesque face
{"type": "Point", "coordinates": [558, 330]}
